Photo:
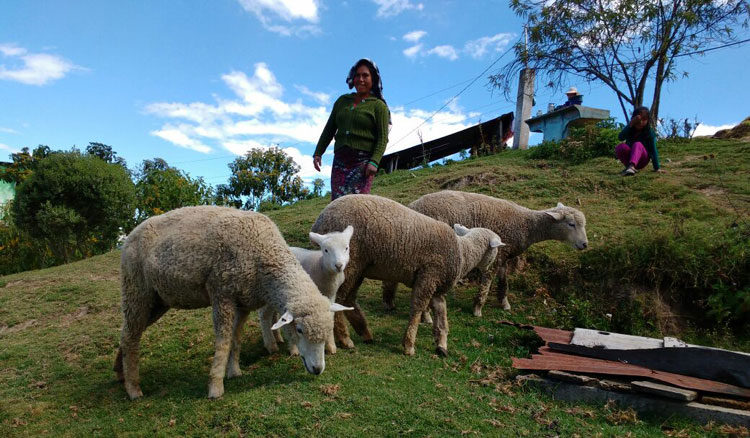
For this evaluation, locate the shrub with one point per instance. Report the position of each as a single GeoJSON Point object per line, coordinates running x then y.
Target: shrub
{"type": "Point", "coordinates": [584, 143]}
{"type": "Point", "coordinates": [75, 203]}
{"type": "Point", "coordinates": [18, 251]}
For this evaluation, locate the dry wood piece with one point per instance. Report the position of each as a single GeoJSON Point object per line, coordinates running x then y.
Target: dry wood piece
{"type": "Point", "coordinates": [575, 378]}
{"type": "Point", "coordinates": [726, 402]}
{"type": "Point", "coordinates": [664, 390]}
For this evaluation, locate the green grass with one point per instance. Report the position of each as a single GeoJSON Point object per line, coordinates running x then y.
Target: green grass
{"type": "Point", "coordinates": [659, 245]}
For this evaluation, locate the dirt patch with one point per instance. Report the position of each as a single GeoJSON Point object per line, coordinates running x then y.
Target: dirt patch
{"type": "Point", "coordinates": [5, 330]}
{"type": "Point", "coordinates": [479, 180]}
{"type": "Point", "coordinates": [74, 316]}
{"type": "Point", "coordinates": [713, 191]}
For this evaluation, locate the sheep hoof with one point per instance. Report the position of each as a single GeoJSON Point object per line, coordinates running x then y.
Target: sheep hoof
{"type": "Point", "coordinates": [215, 389]}
{"type": "Point", "coordinates": [346, 343]}
{"type": "Point", "coordinates": [368, 341]}
{"type": "Point", "coordinates": [272, 349]}
{"type": "Point", "coordinates": [134, 391]}
{"type": "Point", "coordinates": [233, 372]}
{"type": "Point", "coordinates": [478, 312]}
{"type": "Point", "coordinates": [506, 304]}
{"type": "Point", "coordinates": [409, 351]}
{"type": "Point", "coordinates": [442, 352]}
{"type": "Point", "coordinates": [426, 318]}
{"type": "Point", "coordinates": [330, 349]}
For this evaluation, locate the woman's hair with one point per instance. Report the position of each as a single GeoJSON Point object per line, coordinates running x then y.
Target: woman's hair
{"type": "Point", "coordinates": [641, 110]}
{"type": "Point", "coordinates": [377, 83]}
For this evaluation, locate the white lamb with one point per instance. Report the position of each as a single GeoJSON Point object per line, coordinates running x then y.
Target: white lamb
{"type": "Point", "coordinates": [235, 261]}
{"type": "Point", "coordinates": [394, 243]}
{"type": "Point", "coordinates": [326, 268]}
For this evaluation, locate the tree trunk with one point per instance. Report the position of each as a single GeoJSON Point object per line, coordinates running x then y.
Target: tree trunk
{"type": "Point", "coordinates": [658, 81]}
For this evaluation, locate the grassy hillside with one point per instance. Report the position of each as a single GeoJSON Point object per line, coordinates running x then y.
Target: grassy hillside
{"type": "Point", "coordinates": [662, 248]}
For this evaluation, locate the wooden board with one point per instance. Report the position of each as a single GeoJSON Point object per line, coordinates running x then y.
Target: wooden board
{"type": "Point", "coordinates": [712, 364]}
{"type": "Point", "coordinates": [664, 390]}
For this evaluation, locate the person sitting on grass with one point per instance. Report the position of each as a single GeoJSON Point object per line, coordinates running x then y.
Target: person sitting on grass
{"type": "Point", "coordinates": [639, 143]}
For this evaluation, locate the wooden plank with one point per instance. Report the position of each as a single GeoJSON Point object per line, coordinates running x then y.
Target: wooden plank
{"type": "Point", "coordinates": [639, 402]}
{"type": "Point", "coordinates": [614, 341]}
{"type": "Point", "coordinates": [712, 364]}
{"type": "Point", "coordinates": [574, 378]}
{"type": "Point", "coordinates": [664, 390]}
{"type": "Point", "coordinates": [726, 402]}
{"type": "Point", "coordinates": [566, 362]}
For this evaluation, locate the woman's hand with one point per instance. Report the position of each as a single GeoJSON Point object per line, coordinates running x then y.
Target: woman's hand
{"type": "Point", "coordinates": [370, 170]}
{"type": "Point", "coordinates": [316, 162]}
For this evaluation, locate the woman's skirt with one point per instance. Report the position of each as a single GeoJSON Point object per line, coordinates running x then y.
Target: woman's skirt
{"type": "Point", "coordinates": [348, 174]}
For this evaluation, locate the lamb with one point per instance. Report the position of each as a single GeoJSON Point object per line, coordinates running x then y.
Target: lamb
{"type": "Point", "coordinates": [519, 227]}
{"type": "Point", "coordinates": [234, 261]}
{"type": "Point", "coordinates": [326, 268]}
{"type": "Point", "coordinates": [394, 243]}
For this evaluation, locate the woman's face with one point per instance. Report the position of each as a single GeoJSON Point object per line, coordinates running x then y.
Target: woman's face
{"type": "Point", "coordinates": [641, 120]}
{"type": "Point", "coordinates": [363, 80]}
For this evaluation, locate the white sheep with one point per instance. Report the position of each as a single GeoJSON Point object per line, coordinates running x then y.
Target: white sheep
{"type": "Point", "coordinates": [518, 226]}
{"type": "Point", "coordinates": [326, 268]}
{"type": "Point", "coordinates": [392, 242]}
{"type": "Point", "coordinates": [235, 261]}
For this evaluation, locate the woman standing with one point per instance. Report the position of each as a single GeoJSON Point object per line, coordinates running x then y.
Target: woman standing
{"type": "Point", "coordinates": [639, 144]}
{"type": "Point", "coordinates": [359, 123]}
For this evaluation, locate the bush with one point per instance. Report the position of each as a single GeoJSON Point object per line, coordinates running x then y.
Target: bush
{"type": "Point", "coordinates": [75, 203]}
{"type": "Point", "coordinates": [18, 251]}
{"type": "Point", "coordinates": [582, 143]}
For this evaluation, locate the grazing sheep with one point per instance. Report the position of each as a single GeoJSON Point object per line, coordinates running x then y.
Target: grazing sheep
{"type": "Point", "coordinates": [235, 261]}
{"type": "Point", "coordinates": [326, 268]}
{"type": "Point", "coordinates": [393, 243]}
{"type": "Point", "coordinates": [518, 226]}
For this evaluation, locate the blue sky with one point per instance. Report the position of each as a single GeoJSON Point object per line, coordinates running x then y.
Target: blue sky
{"type": "Point", "coordinates": [197, 82]}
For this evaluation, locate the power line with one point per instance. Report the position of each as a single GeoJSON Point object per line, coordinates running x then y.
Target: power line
{"type": "Point", "coordinates": [454, 97]}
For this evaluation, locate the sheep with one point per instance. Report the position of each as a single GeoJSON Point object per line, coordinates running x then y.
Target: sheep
{"type": "Point", "coordinates": [392, 242]}
{"type": "Point", "coordinates": [234, 261]}
{"type": "Point", "coordinates": [326, 268]}
{"type": "Point", "coordinates": [519, 227]}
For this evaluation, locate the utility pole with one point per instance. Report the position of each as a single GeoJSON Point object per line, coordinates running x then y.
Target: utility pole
{"type": "Point", "coordinates": [524, 99]}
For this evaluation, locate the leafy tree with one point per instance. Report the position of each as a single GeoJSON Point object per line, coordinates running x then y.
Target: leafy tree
{"type": "Point", "coordinates": [75, 203]}
{"type": "Point", "coordinates": [318, 186]}
{"type": "Point", "coordinates": [106, 153]}
{"type": "Point", "coordinates": [160, 188]}
{"type": "Point", "coordinates": [624, 44]}
{"type": "Point", "coordinates": [23, 164]}
{"type": "Point", "coordinates": [267, 176]}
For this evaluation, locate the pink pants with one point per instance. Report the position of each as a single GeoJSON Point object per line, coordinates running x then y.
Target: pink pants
{"type": "Point", "coordinates": [635, 155]}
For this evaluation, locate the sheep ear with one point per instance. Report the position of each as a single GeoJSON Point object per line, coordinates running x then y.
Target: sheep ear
{"type": "Point", "coordinates": [285, 319]}
{"type": "Point", "coordinates": [349, 231]}
{"type": "Point", "coordinates": [555, 215]}
{"type": "Point", "coordinates": [316, 238]}
{"type": "Point", "coordinates": [460, 229]}
{"type": "Point", "coordinates": [495, 242]}
{"type": "Point", "coordinates": [560, 205]}
{"type": "Point", "coordinates": [336, 307]}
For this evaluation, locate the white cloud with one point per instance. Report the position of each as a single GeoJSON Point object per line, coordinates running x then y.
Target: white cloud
{"type": "Point", "coordinates": [10, 149]}
{"type": "Point", "coordinates": [413, 51]}
{"type": "Point", "coordinates": [390, 8]}
{"type": "Point", "coordinates": [489, 44]}
{"type": "Point", "coordinates": [322, 98]}
{"type": "Point", "coordinates": [32, 68]}
{"type": "Point", "coordinates": [414, 36]}
{"type": "Point", "coordinates": [711, 130]}
{"type": "Point", "coordinates": [445, 51]}
{"type": "Point", "coordinates": [299, 17]}
{"type": "Point", "coordinates": [8, 130]}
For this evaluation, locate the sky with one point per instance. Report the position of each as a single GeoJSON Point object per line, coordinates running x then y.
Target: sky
{"type": "Point", "coordinates": [198, 83]}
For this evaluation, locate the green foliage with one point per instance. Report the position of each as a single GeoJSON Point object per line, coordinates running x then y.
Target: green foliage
{"type": "Point", "coordinates": [262, 176]}
{"type": "Point", "coordinates": [76, 203]}
{"type": "Point", "coordinates": [106, 153]}
{"type": "Point", "coordinates": [23, 164]}
{"type": "Point", "coordinates": [584, 143]}
{"type": "Point", "coordinates": [160, 188]}
{"type": "Point", "coordinates": [18, 251]}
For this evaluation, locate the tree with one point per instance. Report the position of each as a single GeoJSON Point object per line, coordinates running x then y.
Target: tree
{"type": "Point", "coordinates": [106, 153]}
{"type": "Point", "coordinates": [625, 44]}
{"type": "Point", "coordinates": [267, 176]}
{"type": "Point", "coordinates": [75, 203]}
{"type": "Point", "coordinates": [23, 164]}
{"type": "Point", "coordinates": [160, 188]}
{"type": "Point", "coordinates": [318, 186]}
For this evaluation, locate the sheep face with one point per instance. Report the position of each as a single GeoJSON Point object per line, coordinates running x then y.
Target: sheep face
{"type": "Point", "coordinates": [569, 226]}
{"type": "Point", "coordinates": [334, 248]}
{"type": "Point", "coordinates": [312, 331]}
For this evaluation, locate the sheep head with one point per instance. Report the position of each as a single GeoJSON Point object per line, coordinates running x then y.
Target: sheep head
{"type": "Point", "coordinates": [569, 226]}
{"type": "Point", "coordinates": [335, 248]}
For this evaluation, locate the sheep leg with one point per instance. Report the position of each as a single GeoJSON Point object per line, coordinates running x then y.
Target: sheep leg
{"type": "Point", "coordinates": [420, 299]}
{"type": "Point", "coordinates": [135, 322]}
{"type": "Point", "coordinates": [224, 317]}
{"type": "Point", "coordinates": [266, 315]}
{"type": "Point", "coordinates": [502, 286]}
{"type": "Point", "coordinates": [485, 283]}
{"type": "Point", "coordinates": [347, 295]}
{"type": "Point", "coordinates": [357, 319]}
{"type": "Point", "coordinates": [389, 295]}
{"type": "Point", "coordinates": [233, 364]}
{"type": "Point", "coordinates": [440, 325]}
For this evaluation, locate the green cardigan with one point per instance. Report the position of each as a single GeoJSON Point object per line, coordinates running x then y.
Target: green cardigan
{"type": "Point", "coordinates": [364, 127]}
